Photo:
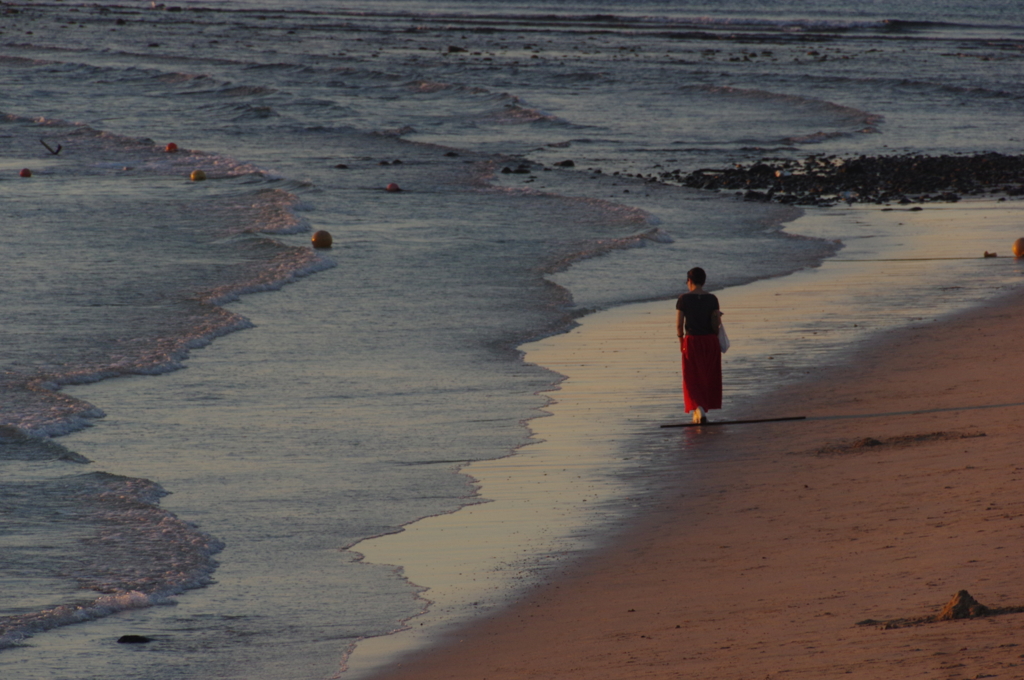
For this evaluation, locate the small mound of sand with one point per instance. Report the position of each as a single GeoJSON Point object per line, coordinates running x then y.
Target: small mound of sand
{"type": "Point", "coordinates": [962, 606]}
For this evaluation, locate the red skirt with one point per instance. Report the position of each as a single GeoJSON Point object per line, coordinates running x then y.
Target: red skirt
{"type": "Point", "coordinates": [702, 372]}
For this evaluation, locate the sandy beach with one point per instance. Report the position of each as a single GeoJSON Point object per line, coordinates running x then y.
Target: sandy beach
{"type": "Point", "coordinates": [901, 488]}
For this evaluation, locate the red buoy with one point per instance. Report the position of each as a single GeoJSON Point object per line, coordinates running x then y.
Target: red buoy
{"type": "Point", "coordinates": [322, 239]}
{"type": "Point", "coordinates": [25, 172]}
{"type": "Point", "coordinates": [393, 187]}
{"type": "Point", "coordinates": [171, 147]}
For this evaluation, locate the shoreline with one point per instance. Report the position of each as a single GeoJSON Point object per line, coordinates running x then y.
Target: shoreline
{"type": "Point", "coordinates": [789, 545]}
{"type": "Point", "coordinates": [656, 408]}
{"type": "Point", "coordinates": [484, 643]}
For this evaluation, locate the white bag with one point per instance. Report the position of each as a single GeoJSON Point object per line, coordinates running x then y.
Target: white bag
{"type": "Point", "coordinates": [723, 339]}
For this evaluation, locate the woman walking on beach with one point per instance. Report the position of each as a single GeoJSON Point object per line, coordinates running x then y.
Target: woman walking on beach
{"type": "Point", "coordinates": [697, 321]}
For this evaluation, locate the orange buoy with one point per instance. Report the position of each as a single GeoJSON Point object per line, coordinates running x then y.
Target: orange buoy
{"type": "Point", "coordinates": [25, 172]}
{"type": "Point", "coordinates": [197, 176]}
{"type": "Point", "coordinates": [1018, 248]}
{"type": "Point", "coordinates": [171, 147]}
{"type": "Point", "coordinates": [322, 239]}
{"type": "Point", "coordinates": [393, 187]}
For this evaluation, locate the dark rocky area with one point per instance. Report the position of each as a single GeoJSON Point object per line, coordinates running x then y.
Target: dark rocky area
{"type": "Point", "coordinates": [827, 180]}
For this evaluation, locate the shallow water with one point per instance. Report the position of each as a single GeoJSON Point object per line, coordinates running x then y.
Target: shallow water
{"type": "Point", "coordinates": [349, 405]}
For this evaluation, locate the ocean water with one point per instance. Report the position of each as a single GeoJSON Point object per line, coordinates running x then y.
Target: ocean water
{"type": "Point", "coordinates": [219, 509]}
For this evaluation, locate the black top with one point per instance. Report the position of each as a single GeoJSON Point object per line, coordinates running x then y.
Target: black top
{"type": "Point", "coordinates": [697, 309]}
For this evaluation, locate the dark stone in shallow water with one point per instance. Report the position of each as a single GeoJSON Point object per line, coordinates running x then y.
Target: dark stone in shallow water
{"type": "Point", "coordinates": [133, 640]}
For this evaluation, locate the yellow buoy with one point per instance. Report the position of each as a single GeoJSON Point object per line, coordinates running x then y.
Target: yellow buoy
{"type": "Point", "coordinates": [1018, 248]}
{"type": "Point", "coordinates": [197, 176]}
{"type": "Point", "coordinates": [322, 239]}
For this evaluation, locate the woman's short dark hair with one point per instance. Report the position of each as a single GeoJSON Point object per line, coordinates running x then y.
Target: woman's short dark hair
{"type": "Point", "coordinates": [697, 275]}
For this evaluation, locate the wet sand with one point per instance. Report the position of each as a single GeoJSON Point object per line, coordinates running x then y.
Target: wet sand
{"type": "Point", "coordinates": [903, 486]}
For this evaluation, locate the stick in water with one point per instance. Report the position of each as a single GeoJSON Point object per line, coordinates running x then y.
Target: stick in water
{"type": "Point", "coordinates": [49, 149]}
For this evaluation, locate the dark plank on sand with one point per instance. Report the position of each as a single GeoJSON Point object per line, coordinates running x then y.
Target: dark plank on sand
{"type": "Point", "coordinates": [735, 422]}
